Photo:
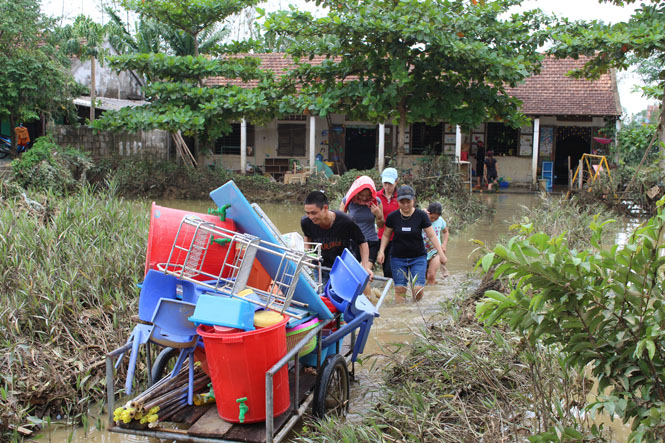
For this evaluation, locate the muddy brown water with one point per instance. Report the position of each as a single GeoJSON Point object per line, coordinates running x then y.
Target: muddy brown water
{"type": "Point", "coordinates": [398, 324]}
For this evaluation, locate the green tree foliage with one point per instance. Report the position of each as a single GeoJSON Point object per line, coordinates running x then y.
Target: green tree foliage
{"type": "Point", "coordinates": [632, 142]}
{"type": "Point", "coordinates": [192, 17]}
{"type": "Point", "coordinates": [602, 306]}
{"type": "Point", "coordinates": [152, 36]}
{"type": "Point", "coordinates": [641, 39]}
{"type": "Point", "coordinates": [180, 98]}
{"type": "Point", "coordinates": [179, 103]}
{"type": "Point", "coordinates": [85, 39]}
{"type": "Point", "coordinates": [35, 79]}
{"type": "Point", "coordinates": [412, 60]}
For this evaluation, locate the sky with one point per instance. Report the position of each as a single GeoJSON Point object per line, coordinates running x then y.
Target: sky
{"type": "Point", "coordinates": [573, 9]}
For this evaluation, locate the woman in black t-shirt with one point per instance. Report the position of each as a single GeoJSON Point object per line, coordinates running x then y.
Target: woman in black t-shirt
{"type": "Point", "coordinates": [408, 257]}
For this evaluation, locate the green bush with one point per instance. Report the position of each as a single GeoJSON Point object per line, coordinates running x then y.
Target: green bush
{"type": "Point", "coordinates": [49, 167]}
{"type": "Point", "coordinates": [602, 306]}
{"type": "Point", "coordinates": [632, 143]}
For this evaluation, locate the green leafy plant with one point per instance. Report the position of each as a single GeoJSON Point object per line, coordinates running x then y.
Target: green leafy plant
{"type": "Point", "coordinates": [602, 306]}
{"type": "Point", "coordinates": [633, 141]}
{"type": "Point", "coordinates": [49, 167]}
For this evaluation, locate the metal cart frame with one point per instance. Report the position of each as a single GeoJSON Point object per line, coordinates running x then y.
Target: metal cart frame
{"type": "Point", "coordinates": [298, 405]}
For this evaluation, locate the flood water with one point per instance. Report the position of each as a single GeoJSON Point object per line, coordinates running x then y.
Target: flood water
{"type": "Point", "coordinates": [397, 323]}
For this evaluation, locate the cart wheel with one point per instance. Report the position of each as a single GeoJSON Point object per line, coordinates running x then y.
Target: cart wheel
{"type": "Point", "coordinates": [164, 363]}
{"type": "Point", "coordinates": [331, 393]}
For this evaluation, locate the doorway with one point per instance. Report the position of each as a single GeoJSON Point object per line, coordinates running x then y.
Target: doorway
{"type": "Point", "coordinates": [571, 141]}
{"type": "Point", "coordinates": [360, 147]}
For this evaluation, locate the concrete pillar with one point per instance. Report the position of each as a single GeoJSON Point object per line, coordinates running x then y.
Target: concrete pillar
{"type": "Point", "coordinates": [534, 158]}
{"type": "Point", "coordinates": [382, 145]}
{"type": "Point", "coordinates": [312, 144]}
{"type": "Point", "coordinates": [458, 143]}
{"type": "Point", "coordinates": [243, 146]}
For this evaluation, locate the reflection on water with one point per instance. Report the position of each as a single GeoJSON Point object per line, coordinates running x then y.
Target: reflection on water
{"type": "Point", "coordinates": [398, 323]}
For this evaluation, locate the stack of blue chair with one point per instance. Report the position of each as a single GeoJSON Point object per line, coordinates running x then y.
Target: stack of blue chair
{"type": "Point", "coordinates": [163, 317]}
{"type": "Point", "coordinates": [345, 290]}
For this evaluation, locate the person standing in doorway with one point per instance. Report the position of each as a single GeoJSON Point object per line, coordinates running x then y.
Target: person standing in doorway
{"type": "Point", "coordinates": [388, 197]}
{"type": "Point", "coordinates": [480, 162]}
{"type": "Point", "coordinates": [334, 230]}
{"type": "Point", "coordinates": [409, 258]}
{"type": "Point", "coordinates": [491, 170]}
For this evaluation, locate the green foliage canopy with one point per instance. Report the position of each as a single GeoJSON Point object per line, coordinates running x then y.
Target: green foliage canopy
{"type": "Point", "coordinates": [632, 141]}
{"type": "Point", "coordinates": [412, 60]}
{"type": "Point", "coordinates": [192, 16]}
{"type": "Point", "coordinates": [641, 38]}
{"type": "Point", "coordinates": [35, 76]}
{"type": "Point", "coordinates": [180, 95]}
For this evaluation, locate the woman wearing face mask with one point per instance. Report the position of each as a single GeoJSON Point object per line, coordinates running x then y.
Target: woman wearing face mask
{"type": "Point", "coordinates": [409, 258]}
{"type": "Point", "coordinates": [364, 208]}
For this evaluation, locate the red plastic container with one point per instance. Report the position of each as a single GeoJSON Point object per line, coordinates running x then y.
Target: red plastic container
{"type": "Point", "coordinates": [164, 224]}
{"type": "Point", "coordinates": [238, 362]}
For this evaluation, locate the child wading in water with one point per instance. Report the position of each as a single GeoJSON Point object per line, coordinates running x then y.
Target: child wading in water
{"type": "Point", "coordinates": [441, 231]}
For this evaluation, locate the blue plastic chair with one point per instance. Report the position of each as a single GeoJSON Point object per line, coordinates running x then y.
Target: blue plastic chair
{"type": "Point", "coordinates": [155, 287]}
{"type": "Point", "coordinates": [191, 291]}
{"type": "Point", "coordinates": [347, 280]}
{"type": "Point", "coordinates": [171, 328]}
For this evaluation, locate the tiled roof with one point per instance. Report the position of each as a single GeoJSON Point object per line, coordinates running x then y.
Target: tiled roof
{"type": "Point", "coordinates": [278, 62]}
{"type": "Point", "coordinates": [551, 92]}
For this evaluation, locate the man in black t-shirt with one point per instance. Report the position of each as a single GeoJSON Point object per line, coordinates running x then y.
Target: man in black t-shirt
{"type": "Point", "coordinates": [333, 229]}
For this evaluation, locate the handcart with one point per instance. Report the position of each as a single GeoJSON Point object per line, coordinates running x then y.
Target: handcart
{"type": "Point", "coordinates": [240, 247]}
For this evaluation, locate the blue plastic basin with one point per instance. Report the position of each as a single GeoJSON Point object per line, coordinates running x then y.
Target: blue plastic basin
{"type": "Point", "coordinates": [218, 310]}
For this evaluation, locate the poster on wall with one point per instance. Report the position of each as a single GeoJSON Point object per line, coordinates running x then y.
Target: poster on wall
{"type": "Point", "coordinates": [449, 129]}
{"type": "Point", "coordinates": [526, 129]}
{"type": "Point", "coordinates": [546, 140]}
{"type": "Point", "coordinates": [449, 149]}
{"type": "Point", "coordinates": [449, 138]}
{"type": "Point", "coordinates": [526, 144]}
{"type": "Point", "coordinates": [475, 138]}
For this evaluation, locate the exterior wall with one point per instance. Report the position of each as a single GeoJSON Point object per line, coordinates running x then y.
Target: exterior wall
{"type": "Point", "coordinates": [110, 84]}
{"type": "Point", "coordinates": [102, 144]}
{"type": "Point", "coordinates": [265, 145]}
{"type": "Point", "coordinates": [517, 168]}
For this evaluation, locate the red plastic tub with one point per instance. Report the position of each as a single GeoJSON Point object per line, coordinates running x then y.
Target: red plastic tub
{"type": "Point", "coordinates": [164, 224]}
{"type": "Point", "coordinates": [238, 362]}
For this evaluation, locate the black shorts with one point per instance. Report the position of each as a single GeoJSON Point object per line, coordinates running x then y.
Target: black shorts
{"type": "Point", "coordinates": [373, 250]}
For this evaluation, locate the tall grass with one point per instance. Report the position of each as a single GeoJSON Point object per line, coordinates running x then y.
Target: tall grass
{"type": "Point", "coordinates": [68, 273]}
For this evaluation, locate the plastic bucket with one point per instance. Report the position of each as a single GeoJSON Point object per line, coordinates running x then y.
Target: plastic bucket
{"type": "Point", "coordinates": [238, 362]}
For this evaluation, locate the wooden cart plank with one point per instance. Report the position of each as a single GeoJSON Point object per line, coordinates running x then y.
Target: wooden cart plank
{"type": "Point", "coordinates": [255, 432]}
{"type": "Point", "coordinates": [189, 415]}
{"type": "Point", "coordinates": [210, 425]}
{"type": "Point", "coordinates": [213, 426]}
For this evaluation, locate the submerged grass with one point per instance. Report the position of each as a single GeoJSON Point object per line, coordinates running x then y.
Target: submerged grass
{"type": "Point", "coordinates": [68, 274]}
